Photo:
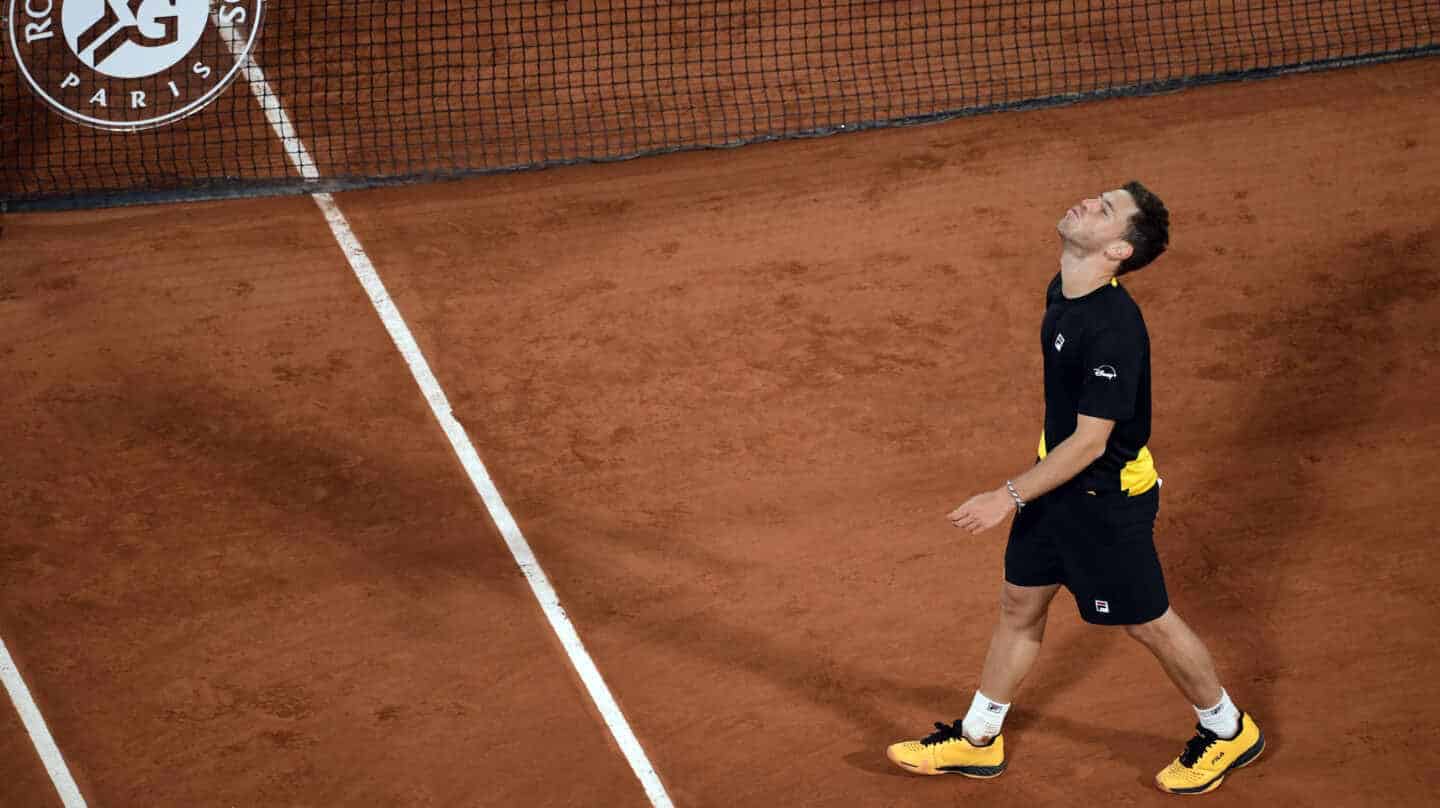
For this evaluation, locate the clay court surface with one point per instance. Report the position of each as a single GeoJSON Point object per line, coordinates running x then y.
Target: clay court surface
{"type": "Point", "coordinates": [729, 398]}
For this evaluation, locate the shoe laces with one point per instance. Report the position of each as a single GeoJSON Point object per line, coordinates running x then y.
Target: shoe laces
{"type": "Point", "coordinates": [944, 732]}
{"type": "Point", "coordinates": [1195, 747]}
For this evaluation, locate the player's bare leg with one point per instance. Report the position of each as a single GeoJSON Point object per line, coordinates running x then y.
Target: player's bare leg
{"type": "Point", "coordinates": [1016, 641]}
{"type": "Point", "coordinates": [1227, 738]}
{"type": "Point", "coordinates": [974, 747]}
{"type": "Point", "coordinates": [1183, 656]}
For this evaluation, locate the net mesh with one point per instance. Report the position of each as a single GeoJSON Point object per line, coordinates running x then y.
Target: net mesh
{"type": "Point", "coordinates": [383, 91]}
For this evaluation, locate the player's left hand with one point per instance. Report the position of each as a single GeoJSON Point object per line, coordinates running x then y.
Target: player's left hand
{"type": "Point", "coordinates": [983, 511]}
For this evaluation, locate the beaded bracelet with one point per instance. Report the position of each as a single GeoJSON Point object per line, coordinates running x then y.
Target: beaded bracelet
{"type": "Point", "coordinates": [1015, 495]}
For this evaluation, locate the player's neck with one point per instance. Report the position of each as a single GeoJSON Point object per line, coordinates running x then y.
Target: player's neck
{"type": "Point", "coordinates": [1081, 274]}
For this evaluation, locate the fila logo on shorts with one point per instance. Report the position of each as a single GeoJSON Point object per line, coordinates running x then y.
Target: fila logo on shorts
{"type": "Point", "coordinates": [1102, 606]}
{"type": "Point", "coordinates": [1059, 341]}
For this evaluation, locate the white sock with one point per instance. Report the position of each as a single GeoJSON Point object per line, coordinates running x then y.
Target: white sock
{"type": "Point", "coordinates": [1223, 719]}
{"type": "Point", "coordinates": [985, 717]}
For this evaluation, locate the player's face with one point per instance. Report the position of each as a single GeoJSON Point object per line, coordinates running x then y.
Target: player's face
{"type": "Point", "coordinates": [1099, 221]}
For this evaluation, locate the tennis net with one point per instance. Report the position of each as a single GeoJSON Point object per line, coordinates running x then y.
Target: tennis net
{"type": "Point", "coordinates": [343, 94]}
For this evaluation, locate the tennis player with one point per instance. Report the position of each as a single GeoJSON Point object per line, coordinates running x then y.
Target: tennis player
{"type": "Point", "coordinates": [1085, 513]}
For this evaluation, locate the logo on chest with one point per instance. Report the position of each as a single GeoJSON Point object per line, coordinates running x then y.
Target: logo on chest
{"type": "Point", "coordinates": [1059, 341]}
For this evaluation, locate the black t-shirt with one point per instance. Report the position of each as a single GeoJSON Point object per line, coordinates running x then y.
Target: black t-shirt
{"type": "Point", "coordinates": [1097, 363]}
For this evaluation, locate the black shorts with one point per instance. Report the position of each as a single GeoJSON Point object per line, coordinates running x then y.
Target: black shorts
{"type": "Point", "coordinates": [1100, 546]}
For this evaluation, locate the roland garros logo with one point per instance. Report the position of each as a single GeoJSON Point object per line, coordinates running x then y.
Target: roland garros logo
{"type": "Point", "coordinates": [131, 64]}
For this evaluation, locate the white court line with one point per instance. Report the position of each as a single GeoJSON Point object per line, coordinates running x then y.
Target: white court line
{"type": "Point", "coordinates": [39, 733]}
{"type": "Point", "coordinates": [480, 478]}
{"type": "Point", "coordinates": [459, 441]}
{"type": "Point", "coordinates": [290, 142]}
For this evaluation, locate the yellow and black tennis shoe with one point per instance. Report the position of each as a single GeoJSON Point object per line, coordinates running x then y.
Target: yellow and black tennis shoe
{"type": "Point", "coordinates": [1208, 758]}
{"type": "Point", "coordinates": [948, 751]}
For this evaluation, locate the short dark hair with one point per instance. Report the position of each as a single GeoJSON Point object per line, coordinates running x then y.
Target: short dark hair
{"type": "Point", "coordinates": [1149, 230]}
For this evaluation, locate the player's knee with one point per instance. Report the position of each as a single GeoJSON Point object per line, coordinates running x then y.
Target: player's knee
{"type": "Point", "coordinates": [1022, 610]}
{"type": "Point", "coordinates": [1151, 632]}
{"type": "Point", "coordinates": [1144, 633]}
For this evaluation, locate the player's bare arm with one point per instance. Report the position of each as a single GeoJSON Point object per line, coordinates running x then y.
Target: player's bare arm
{"type": "Point", "coordinates": [984, 511]}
